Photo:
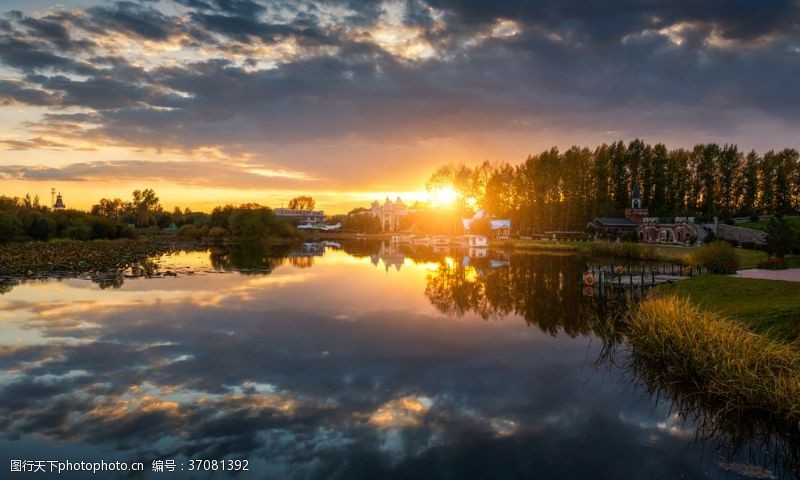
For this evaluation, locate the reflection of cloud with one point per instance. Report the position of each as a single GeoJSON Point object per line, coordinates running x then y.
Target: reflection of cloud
{"type": "Point", "coordinates": [264, 368]}
{"type": "Point", "coordinates": [403, 412]}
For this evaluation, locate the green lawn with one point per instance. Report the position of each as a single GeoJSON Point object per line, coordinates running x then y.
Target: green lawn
{"type": "Point", "coordinates": [762, 224]}
{"type": "Point", "coordinates": [764, 306]}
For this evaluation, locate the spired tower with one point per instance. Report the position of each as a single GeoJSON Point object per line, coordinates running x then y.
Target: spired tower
{"type": "Point", "coordinates": [59, 205]}
{"type": "Point", "coordinates": [636, 202]}
{"type": "Point", "coordinates": [636, 213]}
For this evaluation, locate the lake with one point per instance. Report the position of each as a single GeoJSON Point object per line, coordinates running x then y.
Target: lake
{"type": "Point", "coordinates": [366, 361]}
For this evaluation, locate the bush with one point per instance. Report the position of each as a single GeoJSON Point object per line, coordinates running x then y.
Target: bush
{"type": "Point", "coordinates": [754, 218]}
{"type": "Point", "coordinates": [217, 233]}
{"type": "Point", "coordinates": [190, 232]}
{"type": "Point", "coordinates": [729, 221]}
{"type": "Point", "coordinates": [40, 228]}
{"type": "Point", "coordinates": [9, 226]}
{"type": "Point", "coordinates": [103, 228]}
{"type": "Point", "coordinates": [749, 245]}
{"type": "Point", "coordinates": [79, 232]}
{"type": "Point", "coordinates": [629, 237]}
{"type": "Point", "coordinates": [717, 256]}
{"type": "Point", "coordinates": [772, 264]}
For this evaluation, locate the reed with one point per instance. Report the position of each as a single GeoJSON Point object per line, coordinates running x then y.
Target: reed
{"type": "Point", "coordinates": [625, 250]}
{"type": "Point", "coordinates": [743, 373]}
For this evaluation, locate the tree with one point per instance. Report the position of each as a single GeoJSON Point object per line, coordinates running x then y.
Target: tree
{"type": "Point", "coordinates": [303, 202]}
{"type": "Point", "coordinates": [781, 237]}
{"type": "Point", "coordinates": [145, 206]}
{"type": "Point", "coordinates": [109, 208]}
{"type": "Point", "coordinates": [9, 226]}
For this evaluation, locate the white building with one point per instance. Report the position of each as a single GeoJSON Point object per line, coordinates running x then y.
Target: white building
{"type": "Point", "coordinates": [300, 216]}
{"type": "Point", "coordinates": [389, 214]}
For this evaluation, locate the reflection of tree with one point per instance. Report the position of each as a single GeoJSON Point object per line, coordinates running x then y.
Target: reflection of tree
{"type": "Point", "coordinates": [7, 284]}
{"type": "Point", "coordinates": [543, 289]}
{"type": "Point", "coordinates": [249, 257]}
{"type": "Point", "coordinates": [114, 281]}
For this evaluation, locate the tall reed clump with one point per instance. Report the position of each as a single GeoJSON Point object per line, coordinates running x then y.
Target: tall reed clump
{"type": "Point", "coordinates": [632, 251]}
{"type": "Point", "coordinates": [718, 256]}
{"type": "Point", "coordinates": [743, 373]}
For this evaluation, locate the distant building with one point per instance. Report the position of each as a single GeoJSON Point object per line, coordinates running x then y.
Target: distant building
{"type": "Point", "coordinates": [675, 230]}
{"type": "Point", "coordinates": [300, 216]}
{"type": "Point", "coordinates": [616, 226]}
{"type": "Point", "coordinates": [389, 214]}
{"type": "Point", "coordinates": [477, 241]}
{"type": "Point", "coordinates": [678, 230]}
{"type": "Point", "coordinates": [500, 228]}
{"type": "Point", "coordinates": [59, 205]}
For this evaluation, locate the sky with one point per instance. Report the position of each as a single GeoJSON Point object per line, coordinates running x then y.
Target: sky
{"type": "Point", "coordinates": [232, 101]}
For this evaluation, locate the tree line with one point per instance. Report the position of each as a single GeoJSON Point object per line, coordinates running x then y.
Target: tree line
{"type": "Point", "coordinates": [25, 218]}
{"type": "Point", "coordinates": [556, 190]}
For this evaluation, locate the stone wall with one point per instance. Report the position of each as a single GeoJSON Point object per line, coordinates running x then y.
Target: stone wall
{"type": "Point", "coordinates": [741, 235]}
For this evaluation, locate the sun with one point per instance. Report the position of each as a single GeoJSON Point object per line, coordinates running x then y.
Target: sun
{"type": "Point", "coordinates": [443, 196]}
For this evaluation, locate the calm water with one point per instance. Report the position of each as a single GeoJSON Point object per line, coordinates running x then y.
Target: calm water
{"type": "Point", "coordinates": [325, 364]}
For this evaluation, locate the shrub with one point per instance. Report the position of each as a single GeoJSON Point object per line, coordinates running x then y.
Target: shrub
{"type": "Point", "coordinates": [718, 257]}
{"type": "Point", "coordinates": [79, 232]}
{"type": "Point", "coordinates": [40, 228]}
{"type": "Point", "coordinates": [124, 231]}
{"type": "Point", "coordinates": [749, 245]}
{"type": "Point", "coordinates": [729, 221]}
{"type": "Point", "coordinates": [9, 226]}
{"type": "Point", "coordinates": [217, 233]}
{"type": "Point", "coordinates": [103, 228]}
{"type": "Point", "coordinates": [754, 218]}
{"type": "Point", "coordinates": [190, 232]}
{"type": "Point", "coordinates": [773, 264]}
{"type": "Point", "coordinates": [781, 237]}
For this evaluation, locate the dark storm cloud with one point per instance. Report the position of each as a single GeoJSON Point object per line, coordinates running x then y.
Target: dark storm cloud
{"type": "Point", "coordinates": [138, 19]}
{"type": "Point", "coordinates": [569, 65]}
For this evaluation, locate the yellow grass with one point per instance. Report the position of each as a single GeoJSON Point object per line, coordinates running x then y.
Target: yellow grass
{"type": "Point", "coordinates": [716, 358]}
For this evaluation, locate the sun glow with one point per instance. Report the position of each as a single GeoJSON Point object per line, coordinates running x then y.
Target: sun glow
{"type": "Point", "coordinates": [443, 196]}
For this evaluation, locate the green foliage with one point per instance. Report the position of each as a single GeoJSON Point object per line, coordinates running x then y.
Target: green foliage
{"type": "Point", "coordinates": [718, 257]}
{"type": "Point", "coordinates": [359, 222]}
{"type": "Point", "coordinates": [191, 232]}
{"type": "Point", "coordinates": [556, 190]}
{"type": "Point", "coordinates": [255, 222]}
{"type": "Point", "coordinates": [782, 237]}
{"type": "Point", "coordinates": [40, 228]}
{"type": "Point", "coordinates": [9, 226]}
{"type": "Point", "coordinates": [79, 232]}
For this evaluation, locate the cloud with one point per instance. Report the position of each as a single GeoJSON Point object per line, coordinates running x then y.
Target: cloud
{"type": "Point", "coordinates": [247, 77]}
{"type": "Point", "coordinates": [200, 173]}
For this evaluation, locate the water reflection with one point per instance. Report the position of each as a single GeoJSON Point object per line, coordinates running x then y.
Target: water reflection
{"type": "Point", "coordinates": [341, 370]}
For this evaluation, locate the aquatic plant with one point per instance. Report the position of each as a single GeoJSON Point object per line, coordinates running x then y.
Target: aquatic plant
{"type": "Point", "coordinates": [744, 373]}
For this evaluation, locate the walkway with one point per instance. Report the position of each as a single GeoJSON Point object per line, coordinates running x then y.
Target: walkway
{"type": "Point", "coordinates": [789, 275]}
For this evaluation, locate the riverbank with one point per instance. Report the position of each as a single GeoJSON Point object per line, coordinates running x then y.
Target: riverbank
{"type": "Point", "coordinates": [631, 251]}
{"type": "Point", "coordinates": [75, 258]}
{"type": "Point", "coordinates": [703, 357]}
{"type": "Point", "coordinates": [767, 307]}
